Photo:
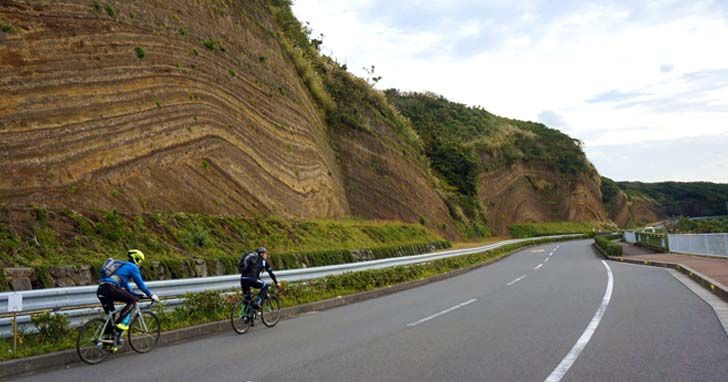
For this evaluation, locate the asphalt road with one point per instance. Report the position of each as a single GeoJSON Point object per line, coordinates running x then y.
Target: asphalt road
{"type": "Point", "coordinates": [515, 320]}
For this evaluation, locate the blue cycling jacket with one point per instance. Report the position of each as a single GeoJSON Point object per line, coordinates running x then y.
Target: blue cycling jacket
{"type": "Point", "coordinates": [127, 272]}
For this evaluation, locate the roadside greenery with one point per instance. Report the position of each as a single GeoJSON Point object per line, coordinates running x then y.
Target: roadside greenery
{"type": "Point", "coordinates": [46, 237]}
{"type": "Point", "coordinates": [212, 306]}
{"type": "Point", "coordinates": [655, 241]}
{"type": "Point", "coordinates": [609, 247]}
{"type": "Point", "coordinates": [551, 228]}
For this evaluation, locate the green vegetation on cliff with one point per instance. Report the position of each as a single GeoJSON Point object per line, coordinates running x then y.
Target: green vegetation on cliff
{"type": "Point", "coordinates": [472, 132]}
{"type": "Point", "coordinates": [346, 100]}
{"type": "Point", "coordinates": [685, 225]}
{"type": "Point", "coordinates": [33, 237]}
{"type": "Point", "coordinates": [462, 142]}
{"type": "Point", "coordinates": [551, 228]}
{"type": "Point", "coordinates": [683, 199]}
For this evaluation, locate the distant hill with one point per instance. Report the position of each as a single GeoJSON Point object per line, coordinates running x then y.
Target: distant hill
{"type": "Point", "coordinates": [504, 170]}
{"type": "Point", "coordinates": [684, 199]}
{"type": "Point", "coordinates": [638, 203]}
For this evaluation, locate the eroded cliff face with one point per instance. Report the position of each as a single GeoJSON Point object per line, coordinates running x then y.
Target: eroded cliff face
{"type": "Point", "coordinates": [162, 106]}
{"type": "Point", "coordinates": [182, 106]}
{"type": "Point", "coordinates": [531, 193]}
{"type": "Point", "coordinates": [632, 211]}
{"type": "Point", "coordinates": [384, 183]}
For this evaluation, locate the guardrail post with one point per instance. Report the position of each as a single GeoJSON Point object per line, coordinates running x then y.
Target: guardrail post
{"type": "Point", "coordinates": [15, 332]}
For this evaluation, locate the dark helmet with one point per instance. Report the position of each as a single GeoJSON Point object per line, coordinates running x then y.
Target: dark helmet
{"type": "Point", "coordinates": [260, 251]}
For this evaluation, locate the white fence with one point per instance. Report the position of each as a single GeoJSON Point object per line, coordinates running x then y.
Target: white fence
{"type": "Point", "coordinates": [708, 244]}
{"type": "Point", "coordinates": [630, 237]}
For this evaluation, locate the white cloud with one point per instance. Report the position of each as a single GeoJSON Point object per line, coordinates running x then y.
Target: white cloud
{"type": "Point", "coordinates": [616, 74]}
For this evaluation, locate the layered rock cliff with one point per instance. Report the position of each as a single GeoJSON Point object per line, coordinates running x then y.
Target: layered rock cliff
{"type": "Point", "coordinates": [226, 107]}
{"type": "Point", "coordinates": [184, 106]}
{"type": "Point", "coordinates": [531, 193]}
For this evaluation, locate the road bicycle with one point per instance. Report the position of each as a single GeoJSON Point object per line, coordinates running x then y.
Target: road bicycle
{"type": "Point", "coordinates": [244, 314]}
{"type": "Point", "coordinates": [99, 337]}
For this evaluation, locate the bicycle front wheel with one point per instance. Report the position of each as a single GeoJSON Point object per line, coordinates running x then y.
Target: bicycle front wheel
{"type": "Point", "coordinates": [238, 318]}
{"type": "Point", "coordinates": [91, 345]}
{"type": "Point", "coordinates": [144, 332]}
{"type": "Point", "coordinates": [270, 311]}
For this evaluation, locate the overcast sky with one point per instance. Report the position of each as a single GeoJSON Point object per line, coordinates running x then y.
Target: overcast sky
{"type": "Point", "coordinates": [644, 84]}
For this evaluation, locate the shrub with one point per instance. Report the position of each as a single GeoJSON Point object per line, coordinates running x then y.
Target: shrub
{"type": "Point", "coordinates": [51, 327]}
{"type": "Point", "coordinates": [609, 247]}
{"type": "Point", "coordinates": [547, 228]}
{"type": "Point", "coordinates": [211, 44]}
{"type": "Point", "coordinates": [139, 52]}
{"type": "Point", "coordinates": [210, 305]}
{"type": "Point", "coordinates": [110, 10]}
{"type": "Point", "coordinates": [183, 31]}
{"type": "Point", "coordinates": [7, 28]}
{"type": "Point", "coordinates": [4, 284]}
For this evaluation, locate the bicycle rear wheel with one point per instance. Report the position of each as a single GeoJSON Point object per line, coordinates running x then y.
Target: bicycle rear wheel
{"type": "Point", "coordinates": [270, 311]}
{"type": "Point", "coordinates": [144, 332]}
{"type": "Point", "coordinates": [91, 345]}
{"type": "Point", "coordinates": [238, 318]}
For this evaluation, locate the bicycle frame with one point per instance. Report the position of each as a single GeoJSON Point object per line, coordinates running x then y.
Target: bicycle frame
{"type": "Point", "coordinates": [135, 312]}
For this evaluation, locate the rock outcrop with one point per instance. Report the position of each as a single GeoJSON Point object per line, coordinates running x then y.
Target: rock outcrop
{"type": "Point", "coordinates": [529, 193]}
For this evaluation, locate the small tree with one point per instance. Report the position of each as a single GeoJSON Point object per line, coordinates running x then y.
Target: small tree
{"type": "Point", "coordinates": [371, 78]}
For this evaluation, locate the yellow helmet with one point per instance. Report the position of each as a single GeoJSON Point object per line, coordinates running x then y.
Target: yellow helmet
{"type": "Point", "coordinates": [135, 256]}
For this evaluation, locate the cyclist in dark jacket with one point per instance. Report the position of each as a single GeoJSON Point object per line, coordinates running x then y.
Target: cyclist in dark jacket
{"type": "Point", "coordinates": [115, 287]}
{"type": "Point", "coordinates": [253, 263]}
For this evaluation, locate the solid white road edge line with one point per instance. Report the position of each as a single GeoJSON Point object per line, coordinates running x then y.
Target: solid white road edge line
{"type": "Point", "coordinates": [538, 266]}
{"type": "Point", "coordinates": [462, 304]}
{"type": "Point", "coordinates": [516, 280]}
{"type": "Point", "coordinates": [570, 358]}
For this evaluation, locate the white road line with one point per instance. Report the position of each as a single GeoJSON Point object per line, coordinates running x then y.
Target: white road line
{"type": "Point", "coordinates": [538, 266]}
{"type": "Point", "coordinates": [516, 280]}
{"type": "Point", "coordinates": [472, 300]}
{"type": "Point", "coordinates": [570, 358]}
{"type": "Point", "coordinates": [545, 260]}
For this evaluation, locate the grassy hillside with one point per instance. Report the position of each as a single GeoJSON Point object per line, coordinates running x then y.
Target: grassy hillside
{"type": "Point", "coordinates": [36, 236]}
{"type": "Point", "coordinates": [684, 225]}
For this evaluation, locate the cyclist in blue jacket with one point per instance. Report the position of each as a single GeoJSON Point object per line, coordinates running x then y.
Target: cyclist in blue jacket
{"type": "Point", "coordinates": [115, 287]}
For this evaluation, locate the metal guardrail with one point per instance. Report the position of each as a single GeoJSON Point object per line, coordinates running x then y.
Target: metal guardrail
{"type": "Point", "coordinates": [75, 301]}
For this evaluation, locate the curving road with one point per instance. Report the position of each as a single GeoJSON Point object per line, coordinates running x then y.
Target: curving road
{"type": "Point", "coordinates": [545, 313]}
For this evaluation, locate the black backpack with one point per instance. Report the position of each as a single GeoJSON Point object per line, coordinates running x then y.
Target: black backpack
{"type": "Point", "coordinates": [247, 260]}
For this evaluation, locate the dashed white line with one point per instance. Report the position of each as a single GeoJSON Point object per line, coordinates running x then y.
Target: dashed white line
{"type": "Point", "coordinates": [516, 280]}
{"type": "Point", "coordinates": [546, 259]}
{"type": "Point", "coordinates": [472, 300]}
{"type": "Point", "coordinates": [538, 266]}
{"type": "Point", "coordinates": [570, 358]}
